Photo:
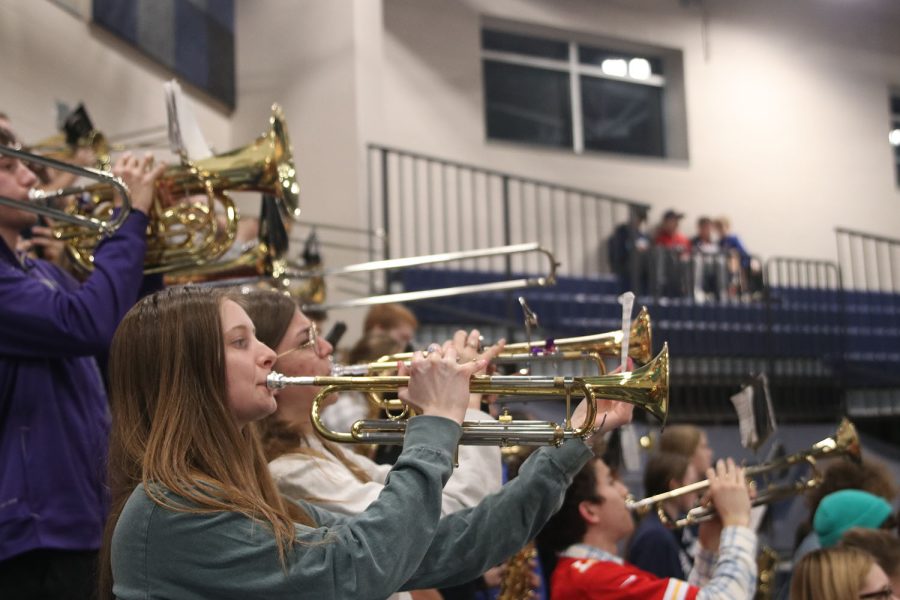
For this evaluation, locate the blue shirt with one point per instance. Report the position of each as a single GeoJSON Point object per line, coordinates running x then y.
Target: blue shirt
{"type": "Point", "coordinates": [54, 418]}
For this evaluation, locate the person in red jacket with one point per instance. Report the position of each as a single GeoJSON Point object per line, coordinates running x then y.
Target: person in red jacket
{"type": "Point", "coordinates": [594, 518]}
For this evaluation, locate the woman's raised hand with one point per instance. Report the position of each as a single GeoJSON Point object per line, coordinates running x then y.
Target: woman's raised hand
{"type": "Point", "coordinates": [439, 382]}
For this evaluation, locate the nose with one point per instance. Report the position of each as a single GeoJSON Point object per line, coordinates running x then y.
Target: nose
{"type": "Point", "coordinates": [26, 176]}
{"type": "Point", "coordinates": [267, 356]}
{"type": "Point", "coordinates": [323, 347]}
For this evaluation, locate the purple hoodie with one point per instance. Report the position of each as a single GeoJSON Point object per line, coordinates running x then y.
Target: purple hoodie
{"type": "Point", "coordinates": [54, 417]}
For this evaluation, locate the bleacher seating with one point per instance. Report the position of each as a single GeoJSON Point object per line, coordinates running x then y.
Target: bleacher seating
{"type": "Point", "coordinates": [827, 335]}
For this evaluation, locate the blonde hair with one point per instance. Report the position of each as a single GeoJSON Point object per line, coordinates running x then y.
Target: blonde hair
{"type": "Point", "coordinates": [171, 426]}
{"type": "Point", "coordinates": [831, 574]}
{"type": "Point", "coordinates": [680, 439]}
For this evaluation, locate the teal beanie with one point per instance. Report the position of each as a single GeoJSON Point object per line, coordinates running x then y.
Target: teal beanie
{"type": "Point", "coordinates": [846, 509]}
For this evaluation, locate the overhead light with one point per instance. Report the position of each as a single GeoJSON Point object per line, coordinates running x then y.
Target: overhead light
{"type": "Point", "coordinates": [616, 67]}
{"type": "Point", "coordinates": [639, 68]}
{"type": "Point", "coordinates": [894, 137]}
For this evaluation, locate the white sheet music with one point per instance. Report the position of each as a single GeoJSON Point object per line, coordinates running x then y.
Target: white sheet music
{"type": "Point", "coordinates": [743, 405]}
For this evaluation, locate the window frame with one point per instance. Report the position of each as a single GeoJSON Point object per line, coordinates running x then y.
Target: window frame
{"type": "Point", "coordinates": [575, 69]}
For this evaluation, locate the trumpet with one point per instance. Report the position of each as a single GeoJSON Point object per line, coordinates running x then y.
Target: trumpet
{"type": "Point", "coordinates": [646, 387]}
{"type": "Point", "coordinates": [845, 442]}
{"type": "Point", "coordinates": [591, 347]}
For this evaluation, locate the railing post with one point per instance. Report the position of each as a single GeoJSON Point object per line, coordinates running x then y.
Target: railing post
{"type": "Point", "coordinates": [386, 216]}
{"type": "Point", "coordinates": [511, 304]}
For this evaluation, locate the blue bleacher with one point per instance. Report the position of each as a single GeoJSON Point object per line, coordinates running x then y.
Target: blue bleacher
{"type": "Point", "coordinates": [859, 330]}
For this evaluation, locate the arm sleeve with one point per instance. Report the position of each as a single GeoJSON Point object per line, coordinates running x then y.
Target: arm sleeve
{"type": "Point", "coordinates": [478, 474]}
{"type": "Point", "coordinates": [734, 574]}
{"type": "Point", "coordinates": [464, 546]}
{"type": "Point", "coordinates": [329, 484]}
{"type": "Point", "coordinates": [41, 318]}
{"type": "Point", "coordinates": [325, 482]}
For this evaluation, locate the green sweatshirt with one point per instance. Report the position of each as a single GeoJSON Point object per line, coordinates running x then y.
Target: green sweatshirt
{"type": "Point", "coordinates": [400, 542]}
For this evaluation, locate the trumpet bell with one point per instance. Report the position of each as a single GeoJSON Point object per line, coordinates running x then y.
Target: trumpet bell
{"type": "Point", "coordinates": [647, 386]}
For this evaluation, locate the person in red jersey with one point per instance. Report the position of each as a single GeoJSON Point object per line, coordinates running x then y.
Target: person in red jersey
{"type": "Point", "coordinates": [594, 519]}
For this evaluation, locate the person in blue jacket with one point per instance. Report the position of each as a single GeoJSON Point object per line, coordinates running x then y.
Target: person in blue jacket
{"type": "Point", "coordinates": [54, 418]}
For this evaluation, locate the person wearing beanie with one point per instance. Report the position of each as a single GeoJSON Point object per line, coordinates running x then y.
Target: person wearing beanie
{"type": "Point", "coordinates": [846, 509]}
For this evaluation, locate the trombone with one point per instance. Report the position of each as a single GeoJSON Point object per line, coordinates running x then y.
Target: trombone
{"type": "Point", "coordinates": [39, 202]}
{"type": "Point", "coordinates": [592, 347]}
{"type": "Point", "coordinates": [287, 277]}
{"type": "Point", "coordinates": [845, 442]}
{"type": "Point", "coordinates": [646, 387]}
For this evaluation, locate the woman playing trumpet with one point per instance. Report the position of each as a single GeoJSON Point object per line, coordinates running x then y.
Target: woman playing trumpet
{"type": "Point", "coordinates": [197, 515]}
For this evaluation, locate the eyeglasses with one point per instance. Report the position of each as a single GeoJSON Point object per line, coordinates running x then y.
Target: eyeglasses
{"type": "Point", "coordinates": [310, 342]}
{"type": "Point", "coordinates": [885, 593]}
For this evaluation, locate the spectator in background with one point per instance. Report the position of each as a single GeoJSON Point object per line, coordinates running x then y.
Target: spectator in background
{"type": "Point", "coordinates": [628, 250]}
{"type": "Point", "coordinates": [744, 272]}
{"type": "Point", "coordinates": [671, 253]}
{"type": "Point", "coordinates": [708, 263]}
{"type": "Point", "coordinates": [667, 234]}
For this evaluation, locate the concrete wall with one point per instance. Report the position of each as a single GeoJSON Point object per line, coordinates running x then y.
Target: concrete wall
{"type": "Point", "coordinates": [53, 54]}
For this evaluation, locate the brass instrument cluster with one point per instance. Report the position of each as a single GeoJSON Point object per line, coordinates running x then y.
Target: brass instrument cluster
{"type": "Point", "coordinates": [193, 223]}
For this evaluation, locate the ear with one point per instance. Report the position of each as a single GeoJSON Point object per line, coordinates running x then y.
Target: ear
{"type": "Point", "coordinates": [589, 512]}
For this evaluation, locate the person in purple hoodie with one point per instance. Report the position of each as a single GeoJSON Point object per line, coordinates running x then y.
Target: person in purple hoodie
{"type": "Point", "coordinates": [54, 419]}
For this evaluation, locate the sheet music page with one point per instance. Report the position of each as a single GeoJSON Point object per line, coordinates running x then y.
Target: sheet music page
{"type": "Point", "coordinates": [743, 405]}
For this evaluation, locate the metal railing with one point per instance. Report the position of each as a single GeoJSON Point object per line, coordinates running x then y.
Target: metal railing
{"type": "Point", "coordinates": [426, 204]}
{"type": "Point", "coordinates": [867, 261]}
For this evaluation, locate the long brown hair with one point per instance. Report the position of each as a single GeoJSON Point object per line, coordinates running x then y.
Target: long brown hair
{"type": "Point", "coordinates": [271, 313]}
{"type": "Point", "coordinates": [831, 574]}
{"type": "Point", "coordinates": [171, 426]}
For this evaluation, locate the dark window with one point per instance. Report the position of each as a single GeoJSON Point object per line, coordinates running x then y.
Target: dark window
{"type": "Point", "coordinates": [529, 81]}
{"type": "Point", "coordinates": [527, 104]}
{"type": "Point", "coordinates": [621, 117]}
{"type": "Point", "coordinates": [503, 41]}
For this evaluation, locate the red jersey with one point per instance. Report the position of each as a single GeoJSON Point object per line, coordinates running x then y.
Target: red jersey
{"type": "Point", "coordinates": [592, 579]}
{"type": "Point", "coordinates": [675, 240]}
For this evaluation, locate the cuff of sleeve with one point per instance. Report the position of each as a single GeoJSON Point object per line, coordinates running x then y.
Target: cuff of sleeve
{"type": "Point", "coordinates": [434, 432]}
{"type": "Point", "coordinates": [136, 221]}
{"type": "Point", "coordinates": [571, 456]}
